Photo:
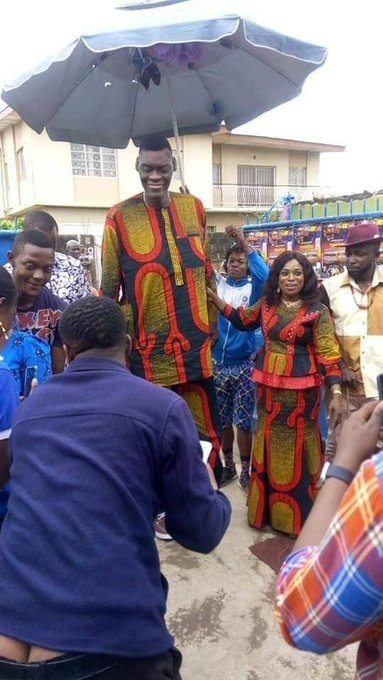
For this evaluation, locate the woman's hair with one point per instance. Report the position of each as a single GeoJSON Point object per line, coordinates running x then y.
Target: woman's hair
{"type": "Point", "coordinates": [309, 292]}
{"type": "Point", "coordinates": [7, 288]}
{"type": "Point", "coordinates": [93, 323]}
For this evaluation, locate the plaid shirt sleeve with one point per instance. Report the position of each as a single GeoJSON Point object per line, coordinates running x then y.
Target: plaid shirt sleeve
{"type": "Point", "coordinates": [331, 595]}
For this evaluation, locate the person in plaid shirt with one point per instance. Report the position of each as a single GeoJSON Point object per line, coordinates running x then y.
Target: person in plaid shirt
{"type": "Point", "coordinates": [330, 588]}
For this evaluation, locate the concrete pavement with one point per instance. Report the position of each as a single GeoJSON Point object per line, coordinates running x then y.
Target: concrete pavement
{"type": "Point", "coordinates": [220, 611]}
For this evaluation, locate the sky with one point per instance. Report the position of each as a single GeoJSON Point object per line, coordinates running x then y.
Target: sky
{"type": "Point", "coordinates": [339, 104]}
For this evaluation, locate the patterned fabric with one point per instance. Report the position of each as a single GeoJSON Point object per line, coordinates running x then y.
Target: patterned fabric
{"type": "Point", "coordinates": [235, 390]}
{"type": "Point", "coordinates": [358, 322]}
{"type": "Point", "coordinates": [69, 280]}
{"type": "Point", "coordinates": [156, 264]}
{"type": "Point", "coordinates": [300, 346]}
{"type": "Point", "coordinates": [200, 397]}
{"type": "Point", "coordinates": [331, 595]}
{"type": "Point", "coordinates": [24, 350]}
{"type": "Point", "coordinates": [287, 458]}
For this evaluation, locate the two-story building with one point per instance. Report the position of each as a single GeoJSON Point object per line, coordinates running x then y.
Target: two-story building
{"type": "Point", "coordinates": [237, 176]}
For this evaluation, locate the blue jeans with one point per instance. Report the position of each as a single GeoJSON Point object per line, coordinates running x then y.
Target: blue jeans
{"type": "Point", "coordinates": [103, 667]}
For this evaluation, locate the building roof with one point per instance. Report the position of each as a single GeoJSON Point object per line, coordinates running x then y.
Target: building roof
{"type": "Point", "coordinates": [223, 136]}
{"type": "Point", "coordinates": [9, 117]}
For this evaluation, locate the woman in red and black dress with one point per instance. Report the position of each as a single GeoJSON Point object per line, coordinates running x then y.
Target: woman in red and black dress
{"type": "Point", "coordinates": [300, 351]}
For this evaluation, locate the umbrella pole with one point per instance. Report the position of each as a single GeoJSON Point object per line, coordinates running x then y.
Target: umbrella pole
{"type": "Point", "coordinates": [175, 131]}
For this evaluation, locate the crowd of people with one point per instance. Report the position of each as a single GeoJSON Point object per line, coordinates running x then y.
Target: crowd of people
{"type": "Point", "coordinates": [209, 354]}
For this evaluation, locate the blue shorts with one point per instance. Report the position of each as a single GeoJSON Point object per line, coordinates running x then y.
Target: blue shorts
{"type": "Point", "coordinates": [235, 391]}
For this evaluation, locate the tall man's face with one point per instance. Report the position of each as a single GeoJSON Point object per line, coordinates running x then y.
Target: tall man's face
{"type": "Point", "coordinates": [155, 169]}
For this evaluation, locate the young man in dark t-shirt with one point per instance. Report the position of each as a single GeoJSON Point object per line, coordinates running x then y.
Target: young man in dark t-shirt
{"type": "Point", "coordinates": [38, 310]}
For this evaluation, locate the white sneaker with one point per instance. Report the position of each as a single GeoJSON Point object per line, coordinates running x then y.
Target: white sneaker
{"type": "Point", "coordinates": [160, 528]}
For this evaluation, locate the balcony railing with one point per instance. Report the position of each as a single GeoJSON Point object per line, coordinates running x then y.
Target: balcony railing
{"type": "Point", "coordinates": [251, 196]}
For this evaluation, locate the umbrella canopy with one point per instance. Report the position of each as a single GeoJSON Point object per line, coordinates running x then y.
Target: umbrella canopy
{"type": "Point", "coordinates": [151, 67]}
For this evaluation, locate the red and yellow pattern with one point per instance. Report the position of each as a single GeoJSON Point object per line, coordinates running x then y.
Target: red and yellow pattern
{"type": "Point", "coordinates": [300, 352]}
{"type": "Point", "coordinates": [156, 265]}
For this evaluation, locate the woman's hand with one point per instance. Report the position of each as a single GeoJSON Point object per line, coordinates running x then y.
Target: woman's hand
{"type": "Point", "coordinates": [335, 410]}
{"type": "Point", "coordinates": [217, 301]}
{"type": "Point", "coordinates": [359, 436]}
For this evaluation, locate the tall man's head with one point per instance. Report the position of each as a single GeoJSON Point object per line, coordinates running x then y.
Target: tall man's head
{"type": "Point", "coordinates": [155, 164]}
{"type": "Point", "coordinates": [32, 258]}
{"type": "Point", "coordinates": [95, 326]}
{"type": "Point", "coordinates": [43, 221]}
{"type": "Point", "coordinates": [362, 250]}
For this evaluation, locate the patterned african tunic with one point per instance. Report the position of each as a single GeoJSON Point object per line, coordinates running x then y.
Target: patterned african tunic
{"type": "Point", "coordinates": [155, 264]}
{"type": "Point", "coordinates": [300, 351]}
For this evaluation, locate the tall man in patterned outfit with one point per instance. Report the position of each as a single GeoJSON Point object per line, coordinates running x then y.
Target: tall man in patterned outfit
{"type": "Point", "coordinates": [155, 263]}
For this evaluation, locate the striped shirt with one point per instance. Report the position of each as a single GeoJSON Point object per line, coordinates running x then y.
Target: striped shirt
{"type": "Point", "coordinates": [331, 595]}
{"type": "Point", "coordinates": [358, 319]}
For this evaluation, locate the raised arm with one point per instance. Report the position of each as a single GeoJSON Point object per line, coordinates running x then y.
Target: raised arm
{"type": "Point", "coordinates": [259, 270]}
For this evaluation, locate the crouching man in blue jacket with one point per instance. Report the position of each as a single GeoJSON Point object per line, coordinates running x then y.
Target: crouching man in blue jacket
{"type": "Point", "coordinates": [96, 451]}
{"type": "Point", "coordinates": [232, 354]}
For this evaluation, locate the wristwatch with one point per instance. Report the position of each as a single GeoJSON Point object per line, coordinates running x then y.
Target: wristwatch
{"type": "Point", "coordinates": [340, 472]}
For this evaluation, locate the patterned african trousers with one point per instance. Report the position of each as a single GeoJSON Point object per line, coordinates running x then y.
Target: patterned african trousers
{"type": "Point", "coordinates": [287, 458]}
{"type": "Point", "coordinates": [235, 390]}
{"type": "Point", "coordinates": [200, 397]}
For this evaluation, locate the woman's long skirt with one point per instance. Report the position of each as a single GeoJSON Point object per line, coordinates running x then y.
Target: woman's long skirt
{"type": "Point", "coordinates": [287, 458]}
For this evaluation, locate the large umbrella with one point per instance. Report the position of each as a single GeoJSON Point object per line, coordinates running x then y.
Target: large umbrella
{"type": "Point", "coordinates": [167, 69]}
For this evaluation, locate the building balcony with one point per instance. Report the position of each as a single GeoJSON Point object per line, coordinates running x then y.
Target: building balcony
{"type": "Point", "coordinates": [240, 196]}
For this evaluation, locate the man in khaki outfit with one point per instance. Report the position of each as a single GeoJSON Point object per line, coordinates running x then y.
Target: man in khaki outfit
{"type": "Point", "coordinates": [355, 299]}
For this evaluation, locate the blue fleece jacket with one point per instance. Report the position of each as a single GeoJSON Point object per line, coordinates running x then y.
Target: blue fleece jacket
{"type": "Point", "coordinates": [233, 346]}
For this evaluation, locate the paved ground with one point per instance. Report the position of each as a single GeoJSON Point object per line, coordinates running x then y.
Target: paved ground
{"type": "Point", "coordinates": [220, 611]}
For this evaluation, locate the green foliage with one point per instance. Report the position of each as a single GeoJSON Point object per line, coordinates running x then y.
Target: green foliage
{"type": "Point", "coordinates": [12, 225]}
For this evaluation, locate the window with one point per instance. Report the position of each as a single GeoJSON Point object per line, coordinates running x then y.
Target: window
{"type": "Point", "coordinates": [6, 179]}
{"type": "Point", "coordinates": [21, 171]}
{"type": "Point", "coordinates": [93, 161]}
{"type": "Point", "coordinates": [297, 176]}
{"type": "Point", "coordinates": [177, 171]}
{"type": "Point", "coordinates": [217, 173]}
{"type": "Point", "coordinates": [217, 184]}
{"type": "Point", "coordinates": [255, 184]}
